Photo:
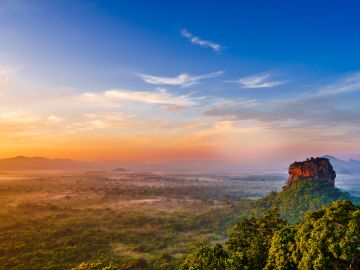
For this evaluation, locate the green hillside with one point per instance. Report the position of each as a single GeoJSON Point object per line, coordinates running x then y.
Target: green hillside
{"type": "Point", "coordinates": [302, 196]}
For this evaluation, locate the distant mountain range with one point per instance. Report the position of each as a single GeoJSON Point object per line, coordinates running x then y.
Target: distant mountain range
{"type": "Point", "coordinates": [351, 166]}
{"type": "Point", "coordinates": [21, 163]}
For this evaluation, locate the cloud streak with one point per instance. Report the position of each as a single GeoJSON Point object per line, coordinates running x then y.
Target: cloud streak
{"type": "Point", "coordinates": [345, 85]}
{"type": "Point", "coordinates": [258, 81]}
{"type": "Point", "coordinates": [182, 80]}
{"type": "Point", "coordinates": [326, 108]}
{"type": "Point", "coordinates": [161, 96]}
{"type": "Point", "coordinates": [201, 42]}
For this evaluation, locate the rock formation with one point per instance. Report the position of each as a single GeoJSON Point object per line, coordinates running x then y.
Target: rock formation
{"type": "Point", "coordinates": [313, 168]}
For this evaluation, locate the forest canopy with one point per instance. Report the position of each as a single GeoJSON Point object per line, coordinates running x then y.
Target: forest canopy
{"type": "Point", "coordinates": [328, 238]}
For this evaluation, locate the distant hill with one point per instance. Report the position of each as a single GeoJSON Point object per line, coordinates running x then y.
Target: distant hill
{"type": "Point", "coordinates": [21, 163]}
{"type": "Point", "coordinates": [120, 170]}
{"type": "Point", "coordinates": [351, 166]}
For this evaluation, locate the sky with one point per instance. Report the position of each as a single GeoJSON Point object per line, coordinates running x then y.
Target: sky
{"type": "Point", "coordinates": [241, 82]}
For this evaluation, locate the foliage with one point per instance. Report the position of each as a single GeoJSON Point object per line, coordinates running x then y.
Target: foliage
{"type": "Point", "coordinates": [302, 196]}
{"type": "Point", "coordinates": [247, 246]}
{"type": "Point", "coordinates": [104, 264]}
{"type": "Point", "coordinates": [56, 223]}
{"type": "Point", "coordinates": [61, 222]}
{"type": "Point", "coordinates": [281, 250]}
{"type": "Point", "coordinates": [59, 238]}
{"type": "Point", "coordinates": [251, 238]}
{"type": "Point", "coordinates": [328, 238]}
{"type": "Point", "coordinates": [96, 265]}
{"type": "Point", "coordinates": [206, 257]}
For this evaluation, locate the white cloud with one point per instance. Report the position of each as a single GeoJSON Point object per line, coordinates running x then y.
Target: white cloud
{"type": "Point", "coordinates": [201, 42]}
{"type": "Point", "coordinates": [258, 81]}
{"type": "Point", "coordinates": [183, 80]}
{"type": "Point", "coordinates": [161, 96]}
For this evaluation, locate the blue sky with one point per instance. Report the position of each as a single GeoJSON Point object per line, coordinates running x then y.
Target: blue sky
{"type": "Point", "coordinates": [242, 64]}
{"type": "Point", "coordinates": [294, 38]}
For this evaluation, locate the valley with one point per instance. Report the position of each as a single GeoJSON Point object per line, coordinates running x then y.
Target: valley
{"type": "Point", "coordinates": [57, 220]}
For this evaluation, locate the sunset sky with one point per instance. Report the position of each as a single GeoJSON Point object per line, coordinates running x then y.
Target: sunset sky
{"type": "Point", "coordinates": [245, 82]}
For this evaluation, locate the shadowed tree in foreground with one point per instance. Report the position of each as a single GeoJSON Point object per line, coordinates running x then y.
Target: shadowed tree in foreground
{"type": "Point", "coordinates": [328, 238]}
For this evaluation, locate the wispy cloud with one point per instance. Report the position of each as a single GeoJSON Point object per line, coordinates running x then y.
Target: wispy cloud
{"type": "Point", "coordinates": [201, 42]}
{"type": "Point", "coordinates": [161, 96]}
{"type": "Point", "coordinates": [183, 79]}
{"type": "Point", "coordinates": [101, 111]}
{"type": "Point", "coordinates": [258, 81]}
{"type": "Point", "coordinates": [324, 107]}
{"type": "Point", "coordinates": [348, 84]}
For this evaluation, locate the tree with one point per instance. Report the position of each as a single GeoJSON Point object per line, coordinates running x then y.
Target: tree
{"type": "Point", "coordinates": [100, 264]}
{"type": "Point", "coordinates": [247, 246]}
{"type": "Point", "coordinates": [250, 240]}
{"type": "Point", "coordinates": [206, 258]}
{"type": "Point", "coordinates": [328, 238]}
{"type": "Point", "coordinates": [282, 248]}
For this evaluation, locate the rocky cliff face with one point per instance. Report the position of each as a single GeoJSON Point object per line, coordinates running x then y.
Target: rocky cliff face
{"type": "Point", "coordinates": [314, 168]}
